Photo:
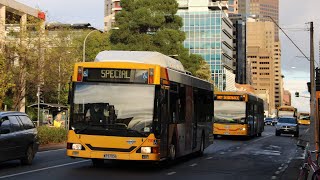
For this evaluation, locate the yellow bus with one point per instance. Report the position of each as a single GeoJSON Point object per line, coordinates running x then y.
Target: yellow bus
{"type": "Point", "coordinates": [238, 114]}
{"type": "Point", "coordinates": [287, 111]}
{"type": "Point", "coordinates": [136, 105]}
{"type": "Point", "coordinates": [304, 118]}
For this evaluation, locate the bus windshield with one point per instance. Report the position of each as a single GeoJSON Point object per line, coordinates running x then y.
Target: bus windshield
{"type": "Point", "coordinates": [113, 109]}
{"type": "Point", "coordinates": [286, 113]}
{"type": "Point", "coordinates": [230, 112]}
{"type": "Point", "coordinates": [304, 117]}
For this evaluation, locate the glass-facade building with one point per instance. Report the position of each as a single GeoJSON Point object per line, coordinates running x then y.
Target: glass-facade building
{"type": "Point", "coordinates": [210, 34]}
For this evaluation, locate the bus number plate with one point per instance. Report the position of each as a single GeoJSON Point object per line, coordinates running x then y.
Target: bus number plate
{"type": "Point", "coordinates": [110, 156]}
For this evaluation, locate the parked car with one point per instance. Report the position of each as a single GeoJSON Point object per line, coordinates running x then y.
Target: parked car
{"type": "Point", "coordinates": [18, 137]}
{"type": "Point", "coordinates": [274, 121]}
{"type": "Point", "coordinates": [287, 125]}
{"type": "Point", "coordinates": [268, 121]}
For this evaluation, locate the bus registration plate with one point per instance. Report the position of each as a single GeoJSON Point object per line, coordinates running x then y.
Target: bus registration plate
{"type": "Point", "coordinates": [110, 156]}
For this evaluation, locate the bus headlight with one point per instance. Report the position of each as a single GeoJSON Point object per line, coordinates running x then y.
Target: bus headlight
{"type": "Point", "coordinates": [146, 150]}
{"type": "Point", "coordinates": [243, 129]}
{"type": "Point", "coordinates": [76, 146]}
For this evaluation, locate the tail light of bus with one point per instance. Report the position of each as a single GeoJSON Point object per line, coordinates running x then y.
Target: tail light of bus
{"type": "Point", "coordinates": [155, 150]}
{"type": "Point", "coordinates": [151, 76]}
{"type": "Point", "coordinates": [80, 73]}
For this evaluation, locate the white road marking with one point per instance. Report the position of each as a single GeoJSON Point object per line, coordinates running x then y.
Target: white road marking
{"type": "Point", "coordinates": [274, 177]}
{"type": "Point", "coordinates": [277, 172]}
{"type": "Point", "coordinates": [171, 173]}
{"type": "Point", "coordinates": [42, 152]}
{"type": "Point", "coordinates": [222, 153]}
{"type": "Point", "coordinates": [279, 168]}
{"type": "Point", "coordinates": [238, 147]}
{"type": "Point", "coordinates": [209, 158]}
{"type": "Point", "coordinates": [268, 152]}
{"type": "Point", "coordinates": [261, 138]}
{"type": "Point", "coordinates": [192, 165]}
{"type": "Point", "coordinates": [42, 169]}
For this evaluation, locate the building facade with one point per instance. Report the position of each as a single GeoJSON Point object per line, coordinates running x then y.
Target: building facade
{"type": "Point", "coordinates": [261, 55]}
{"type": "Point", "coordinates": [264, 8]}
{"type": "Point", "coordinates": [286, 98]}
{"type": "Point", "coordinates": [111, 8]}
{"type": "Point", "coordinates": [239, 43]}
{"type": "Point", "coordinates": [209, 33]}
{"type": "Point", "coordinates": [278, 81]}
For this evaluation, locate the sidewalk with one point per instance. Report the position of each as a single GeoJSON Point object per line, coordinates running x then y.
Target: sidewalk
{"type": "Point", "coordinates": [293, 169]}
{"type": "Point", "coordinates": [49, 147]}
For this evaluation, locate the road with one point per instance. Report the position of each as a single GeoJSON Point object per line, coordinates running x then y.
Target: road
{"type": "Point", "coordinates": [261, 158]}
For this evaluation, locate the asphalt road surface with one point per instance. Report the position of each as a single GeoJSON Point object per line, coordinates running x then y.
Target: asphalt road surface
{"type": "Point", "coordinates": [259, 158]}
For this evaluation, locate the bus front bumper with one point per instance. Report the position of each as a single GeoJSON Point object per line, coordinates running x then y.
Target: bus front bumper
{"type": "Point", "coordinates": [112, 155]}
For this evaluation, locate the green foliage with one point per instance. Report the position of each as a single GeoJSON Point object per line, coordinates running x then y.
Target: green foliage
{"type": "Point", "coordinates": [49, 135]}
{"type": "Point", "coordinates": [5, 80]}
{"type": "Point", "coordinates": [152, 25]}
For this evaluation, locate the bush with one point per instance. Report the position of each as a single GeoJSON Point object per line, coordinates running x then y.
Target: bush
{"type": "Point", "coordinates": [49, 135]}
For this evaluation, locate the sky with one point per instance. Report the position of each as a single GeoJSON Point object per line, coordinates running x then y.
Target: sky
{"type": "Point", "coordinates": [294, 14]}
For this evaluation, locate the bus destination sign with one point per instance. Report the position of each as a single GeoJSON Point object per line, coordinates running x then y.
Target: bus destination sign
{"type": "Point", "coordinates": [228, 97]}
{"type": "Point", "coordinates": [115, 75]}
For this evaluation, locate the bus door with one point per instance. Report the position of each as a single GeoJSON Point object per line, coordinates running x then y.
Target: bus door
{"type": "Point", "coordinates": [195, 118]}
{"type": "Point", "coordinates": [164, 123]}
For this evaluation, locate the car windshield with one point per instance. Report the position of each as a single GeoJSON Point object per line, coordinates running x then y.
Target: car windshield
{"type": "Point", "coordinates": [287, 120]}
{"type": "Point", "coordinates": [229, 111]}
{"type": "Point", "coordinates": [269, 119]}
{"type": "Point", "coordinates": [304, 117]}
{"type": "Point", "coordinates": [113, 109]}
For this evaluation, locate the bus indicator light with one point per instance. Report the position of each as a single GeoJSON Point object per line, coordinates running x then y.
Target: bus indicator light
{"type": "Point", "coordinates": [80, 74]}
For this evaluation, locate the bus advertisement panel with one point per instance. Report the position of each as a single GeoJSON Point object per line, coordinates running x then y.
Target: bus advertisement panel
{"type": "Point", "coordinates": [127, 110]}
{"type": "Point", "coordinates": [238, 114]}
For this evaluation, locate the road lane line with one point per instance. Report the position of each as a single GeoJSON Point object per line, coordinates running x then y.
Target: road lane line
{"type": "Point", "coordinates": [171, 173]}
{"type": "Point", "coordinates": [260, 139]}
{"type": "Point", "coordinates": [209, 158]}
{"type": "Point", "coordinates": [42, 152]}
{"type": "Point", "coordinates": [274, 177]}
{"type": "Point", "coordinates": [42, 169]}
{"type": "Point", "coordinates": [192, 165]}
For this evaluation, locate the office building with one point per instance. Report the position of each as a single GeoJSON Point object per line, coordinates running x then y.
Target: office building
{"type": "Point", "coordinates": [239, 43]}
{"type": "Point", "coordinates": [261, 55]}
{"type": "Point", "coordinates": [264, 8]}
{"type": "Point", "coordinates": [209, 34]}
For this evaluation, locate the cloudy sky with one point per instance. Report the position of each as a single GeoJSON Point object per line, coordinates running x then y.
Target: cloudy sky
{"type": "Point", "coordinates": [294, 14]}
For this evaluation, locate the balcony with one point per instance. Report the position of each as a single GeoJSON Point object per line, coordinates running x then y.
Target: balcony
{"type": "Point", "coordinates": [117, 8]}
{"type": "Point", "coordinates": [214, 6]}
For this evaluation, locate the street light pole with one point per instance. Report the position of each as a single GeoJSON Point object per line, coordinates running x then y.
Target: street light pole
{"type": "Point", "coordinates": [84, 44]}
{"type": "Point", "coordinates": [314, 120]}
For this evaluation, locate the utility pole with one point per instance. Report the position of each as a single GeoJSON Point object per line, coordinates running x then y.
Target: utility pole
{"type": "Point", "coordinates": [314, 121]}
{"type": "Point", "coordinates": [38, 95]}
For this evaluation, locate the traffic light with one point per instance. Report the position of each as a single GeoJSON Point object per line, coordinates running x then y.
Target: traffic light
{"type": "Point", "coordinates": [297, 94]}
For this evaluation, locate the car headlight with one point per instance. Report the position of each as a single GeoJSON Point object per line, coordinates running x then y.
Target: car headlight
{"type": "Point", "coordinates": [76, 146]}
{"type": "Point", "coordinates": [146, 150]}
{"type": "Point", "coordinates": [243, 129]}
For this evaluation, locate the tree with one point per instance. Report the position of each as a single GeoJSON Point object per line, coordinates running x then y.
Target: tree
{"type": "Point", "coordinates": [152, 25]}
{"type": "Point", "coordinates": [5, 80]}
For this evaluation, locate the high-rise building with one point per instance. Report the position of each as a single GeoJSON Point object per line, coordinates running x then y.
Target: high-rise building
{"type": "Point", "coordinates": [244, 8]}
{"type": "Point", "coordinates": [233, 6]}
{"type": "Point", "coordinates": [239, 43]}
{"type": "Point", "coordinates": [278, 75]}
{"type": "Point", "coordinates": [286, 98]}
{"type": "Point", "coordinates": [111, 8]}
{"type": "Point", "coordinates": [209, 34]}
{"type": "Point", "coordinates": [264, 8]}
{"type": "Point", "coordinates": [261, 55]}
